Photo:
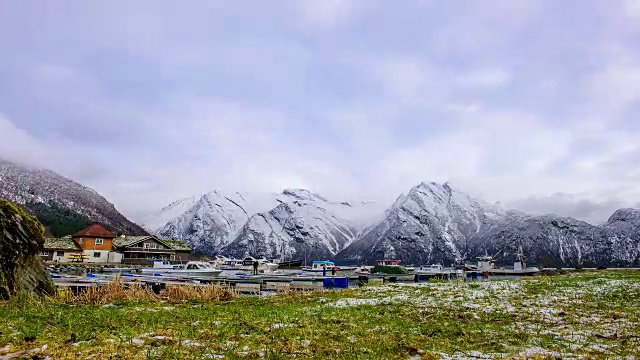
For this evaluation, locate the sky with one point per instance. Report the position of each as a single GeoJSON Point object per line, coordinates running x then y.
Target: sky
{"type": "Point", "coordinates": [534, 104]}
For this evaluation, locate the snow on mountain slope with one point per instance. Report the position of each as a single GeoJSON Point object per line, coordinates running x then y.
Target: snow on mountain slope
{"type": "Point", "coordinates": [431, 223]}
{"type": "Point", "coordinates": [307, 227]}
{"type": "Point", "coordinates": [60, 199]}
{"type": "Point", "coordinates": [168, 213]}
{"type": "Point", "coordinates": [437, 224]}
{"type": "Point", "coordinates": [216, 219]}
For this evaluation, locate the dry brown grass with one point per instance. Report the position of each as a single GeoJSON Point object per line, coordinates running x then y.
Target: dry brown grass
{"type": "Point", "coordinates": [182, 293]}
{"type": "Point", "coordinates": [117, 290]}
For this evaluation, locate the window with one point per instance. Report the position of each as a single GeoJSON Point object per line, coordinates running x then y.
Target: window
{"type": "Point", "coordinates": [44, 253]}
{"type": "Point", "coordinates": [60, 253]}
{"type": "Point", "coordinates": [99, 241]}
{"type": "Point", "coordinates": [96, 254]}
{"type": "Point", "coordinates": [80, 241]}
{"type": "Point", "coordinates": [151, 246]}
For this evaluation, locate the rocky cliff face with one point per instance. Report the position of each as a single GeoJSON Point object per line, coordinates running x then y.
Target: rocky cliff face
{"type": "Point", "coordinates": [21, 268]}
{"type": "Point", "coordinates": [58, 201]}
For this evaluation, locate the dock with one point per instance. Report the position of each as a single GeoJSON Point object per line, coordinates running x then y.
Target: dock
{"type": "Point", "coordinates": [244, 284]}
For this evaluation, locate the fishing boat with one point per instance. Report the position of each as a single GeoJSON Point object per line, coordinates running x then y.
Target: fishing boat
{"type": "Point", "coordinates": [192, 268]}
{"type": "Point", "coordinates": [486, 265]}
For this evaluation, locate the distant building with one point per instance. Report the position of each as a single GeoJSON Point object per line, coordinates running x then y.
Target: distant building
{"type": "Point", "coordinates": [98, 245]}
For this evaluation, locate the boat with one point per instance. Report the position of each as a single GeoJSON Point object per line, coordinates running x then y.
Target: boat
{"type": "Point", "coordinates": [437, 271]}
{"type": "Point", "coordinates": [486, 265]}
{"type": "Point", "coordinates": [225, 263]}
{"type": "Point", "coordinates": [388, 262]}
{"type": "Point", "coordinates": [289, 263]}
{"type": "Point", "coordinates": [363, 270]}
{"type": "Point", "coordinates": [192, 268]}
{"type": "Point", "coordinates": [264, 265]}
{"type": "Point", "coordinates": [320, 266]}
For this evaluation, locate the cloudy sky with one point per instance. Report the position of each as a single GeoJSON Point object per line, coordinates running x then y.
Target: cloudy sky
{"type": "Point", "coordinates": [532, 103]}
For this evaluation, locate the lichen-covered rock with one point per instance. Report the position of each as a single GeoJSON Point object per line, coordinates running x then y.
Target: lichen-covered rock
{"type": "Point", "coordinates": [21, 268]}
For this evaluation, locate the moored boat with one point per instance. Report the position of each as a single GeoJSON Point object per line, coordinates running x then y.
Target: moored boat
{"type": "Point", "coordinates": [264, 265]}
{"type": "Point", "coordinates": [486, 265]}
{"type": "Point", "coordinates": [435, 270]}
{"type": "Point", "coordinates": [192, 268]}
{"type": "Point", "coordinates": [320, 266]}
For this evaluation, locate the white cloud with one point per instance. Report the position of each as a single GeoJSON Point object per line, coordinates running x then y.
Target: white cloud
{"type": "Point", "coordinates": [18, 145]}
{"type": "Point", "coordinates": [325, 14]}
{"type": "Point", "coordinates": [485, 78]}
{"type": "Point", "coordinates": [632, 8]}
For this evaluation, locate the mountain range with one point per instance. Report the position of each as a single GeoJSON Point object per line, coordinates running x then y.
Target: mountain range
{"type": "Point", "coordinates": [62, 205]}
{"type": "Point", "coordinates": [431, 223]}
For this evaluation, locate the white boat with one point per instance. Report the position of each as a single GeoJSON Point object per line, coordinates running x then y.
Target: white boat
{"type": "Point", "coordinates": [225, 263]}
{"type": "Point", "coordinates": [363, 270]}
{"type": "Point", "coordinates": [321, 266]}
{"type": "Point", "coordinates": [264, 265]}
{"type": "Point", "coordinates": [435, 270]}
{"type": "Point", "coordinates": [192, 268]}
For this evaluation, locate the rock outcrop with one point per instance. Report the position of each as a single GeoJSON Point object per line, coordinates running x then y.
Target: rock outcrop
{"type": "Point", "coordinates": [21, 268]}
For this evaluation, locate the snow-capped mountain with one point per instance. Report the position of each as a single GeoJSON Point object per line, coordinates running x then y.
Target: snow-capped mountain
{"type": "Point", "coordinates": [437, 224]}
{"type": "Point", "coordinates": [303, 225]}
{"type": "Point", "coordinates": [219, 222]}
{"type": "Point", "coordinates": [58, 202]}
{"type": "Point", "coordinates": [431, 223]}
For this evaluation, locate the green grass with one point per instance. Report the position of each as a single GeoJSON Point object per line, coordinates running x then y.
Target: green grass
{"type": "Point", "coordinates": [591, 314]}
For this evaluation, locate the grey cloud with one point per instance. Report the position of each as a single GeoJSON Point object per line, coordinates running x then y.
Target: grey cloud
{"type": "Point", "coordinates": [561, 204]}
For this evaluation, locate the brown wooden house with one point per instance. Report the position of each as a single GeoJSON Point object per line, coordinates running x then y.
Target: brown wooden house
{"type": "Point", "coordinates": [97, 242]}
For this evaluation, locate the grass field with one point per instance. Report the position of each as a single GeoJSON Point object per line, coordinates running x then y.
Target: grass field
{"type": "Point", "coordinates": [581, 314]}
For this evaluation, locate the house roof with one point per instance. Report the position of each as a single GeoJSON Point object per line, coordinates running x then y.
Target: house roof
{"type": "Point", "coordinates": [95, 230]}
{"type": "Point", "coordinates": [176, 244]}
{"type": "Point", "coordinates": [124, 241]}
{"type": "Point", "coordinates": [60, 244]}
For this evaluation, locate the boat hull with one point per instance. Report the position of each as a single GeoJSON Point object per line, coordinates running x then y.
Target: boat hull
{"type": "Point", "coordinates": [293, 263]}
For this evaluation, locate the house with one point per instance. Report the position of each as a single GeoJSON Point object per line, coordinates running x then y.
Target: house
{"type": "Point", "coordinates": [97, 242]}
{"type": "Point", "coordinates": [60, 249]}
{"type": "Point", "coordinates": [142, 249]}
{"type": "Point", "coordinates": [98, 245]}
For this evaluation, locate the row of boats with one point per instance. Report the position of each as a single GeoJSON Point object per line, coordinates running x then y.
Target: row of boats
{"type": "Point", "coordinates": [484, 267]}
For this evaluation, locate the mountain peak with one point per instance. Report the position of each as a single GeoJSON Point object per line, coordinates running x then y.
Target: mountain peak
{"type": "Point", "coordinates": [303, 194]}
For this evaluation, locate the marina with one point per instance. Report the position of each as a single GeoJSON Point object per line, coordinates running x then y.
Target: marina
{"type": "Point", "coordinates": [266, 279]}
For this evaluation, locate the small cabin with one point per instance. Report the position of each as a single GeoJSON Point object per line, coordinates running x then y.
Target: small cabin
{"type": "Point", "coordinates": [388, 262]}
